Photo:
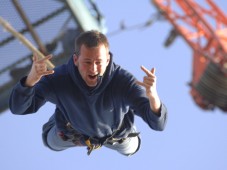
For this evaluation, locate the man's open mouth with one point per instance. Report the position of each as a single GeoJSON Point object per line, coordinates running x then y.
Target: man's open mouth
{"type": "Point", "coordinates": [93, 76]}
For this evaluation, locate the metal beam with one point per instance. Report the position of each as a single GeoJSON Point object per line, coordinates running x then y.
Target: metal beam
{"type": "Point", "coordinates": [86, 21]}
{"type": "Point", "coordinates": [29, 26]}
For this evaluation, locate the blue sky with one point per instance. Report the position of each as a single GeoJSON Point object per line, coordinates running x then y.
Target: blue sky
{"type": "Point", "coordinates": [194, 139]}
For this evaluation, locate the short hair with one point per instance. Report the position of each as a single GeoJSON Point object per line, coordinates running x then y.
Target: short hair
{"type": "Point", "coordinates": [90, 39]}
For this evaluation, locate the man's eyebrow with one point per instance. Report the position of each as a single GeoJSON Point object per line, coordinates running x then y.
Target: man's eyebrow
{"type": "Point", "coordinates": [99, 59]}
{"type": "Point", "coordinates": [89, 59]}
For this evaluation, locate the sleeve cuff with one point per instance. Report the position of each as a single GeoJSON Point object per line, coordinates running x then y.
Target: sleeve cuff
{"type": "Point", "coordinates": [24, 89]}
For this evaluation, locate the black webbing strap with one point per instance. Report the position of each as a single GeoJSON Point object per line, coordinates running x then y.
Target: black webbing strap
{"type": "Point", "coordinates": [96, 143]}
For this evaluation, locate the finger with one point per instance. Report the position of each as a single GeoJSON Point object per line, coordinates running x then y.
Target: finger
{"type": "Point", "coordinates": [35, 57]}
{"type": "Point", "coordinates": [44, 72]}
{"type": "Point", "coordinates": [148, 81]}
{"type": "Point", "coordinates": [140, 83]}
{"type": "Point", "coordinates": [146, 86]}
{"type": "Point", "coordinates": [46, 58]}
{"type": "Point", "coordinates": [148, 73]}
{"type": "Point", "coordinates": [43, 60]}
{"type": "Point", "coordinates": [48, 72]}
{"type": "Point", "coordinates": [153, 70]}
{"type": "Point", "coordinates": [143, 84]}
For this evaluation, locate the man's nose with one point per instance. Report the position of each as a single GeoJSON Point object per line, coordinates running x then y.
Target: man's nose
{"type": "Point", "coordinates": [93, 67]}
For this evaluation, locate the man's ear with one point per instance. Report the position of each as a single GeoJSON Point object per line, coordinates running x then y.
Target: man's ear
{"type": "Point", "coordinates": [75, 59]}
{"type": "Point", "coordinates": [108, 58]}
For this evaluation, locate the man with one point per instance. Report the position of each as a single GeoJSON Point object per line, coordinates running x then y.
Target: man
{"type": "Point", "coordinates": [95, 99]}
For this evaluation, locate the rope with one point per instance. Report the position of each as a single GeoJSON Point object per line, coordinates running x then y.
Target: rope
{"type": "Point", "coordinates": [37, 23]}
{"type": "Point", "coordinates": [25, 41]}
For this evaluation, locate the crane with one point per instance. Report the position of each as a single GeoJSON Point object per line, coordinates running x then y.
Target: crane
{"type": "Point", "coordinates": [204, 28]}
{"type": "Point", "coordinates": [67, 18]}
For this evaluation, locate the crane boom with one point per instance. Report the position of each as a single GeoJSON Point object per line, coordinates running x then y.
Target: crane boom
{"type": "Point", "coordinates": [204, 28]}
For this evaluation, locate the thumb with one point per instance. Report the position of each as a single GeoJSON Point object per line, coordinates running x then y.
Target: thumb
{"type": "Point", "coordinates": [35, 57]}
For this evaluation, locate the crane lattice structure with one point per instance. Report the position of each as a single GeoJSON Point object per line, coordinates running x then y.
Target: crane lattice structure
{"type": "Point", "coordinates": [51, 31]}
{"type": "Point", "coordinates": [204, 28]}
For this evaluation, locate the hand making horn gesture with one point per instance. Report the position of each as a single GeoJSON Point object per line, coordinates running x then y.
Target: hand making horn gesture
{"type": "Point", "coordinates": [149, 82]}
{"type": "Point", "coordinates": [38, 70]}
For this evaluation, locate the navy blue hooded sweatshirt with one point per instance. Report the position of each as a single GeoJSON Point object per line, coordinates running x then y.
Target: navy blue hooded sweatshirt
{"type": "Point", "coordinates": [94, 112]}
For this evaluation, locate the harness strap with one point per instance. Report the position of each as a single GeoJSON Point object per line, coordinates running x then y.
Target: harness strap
{"type": "Point", "coordinates": [112, 140]}
{"type": "Point", "coordinates": [94, 143]}
{"type": "Point", "coordinates": [91, 147]}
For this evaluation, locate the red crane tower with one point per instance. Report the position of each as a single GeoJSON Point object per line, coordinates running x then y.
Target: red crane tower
{"type": "Point", "coordinates": [204, 28]}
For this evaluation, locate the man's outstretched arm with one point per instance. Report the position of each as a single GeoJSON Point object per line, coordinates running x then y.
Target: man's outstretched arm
{"type": "Point", "coordinates": [24, 99]}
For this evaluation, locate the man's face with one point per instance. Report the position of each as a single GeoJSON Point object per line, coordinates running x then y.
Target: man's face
{"type": "Point", "coordinates": [92, 62]}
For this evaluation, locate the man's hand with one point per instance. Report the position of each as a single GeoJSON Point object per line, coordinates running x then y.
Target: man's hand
{"type": "Point", "coordinates": [39, 69]}
{"type": "Point", "coordinates": [149, 82]}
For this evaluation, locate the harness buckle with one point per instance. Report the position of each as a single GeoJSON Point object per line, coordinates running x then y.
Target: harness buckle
{"type": "Point", "coordinates": [91, 147]}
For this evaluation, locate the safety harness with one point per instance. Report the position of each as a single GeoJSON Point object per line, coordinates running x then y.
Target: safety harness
{"type": "Point", "coordinates": [91, 142]}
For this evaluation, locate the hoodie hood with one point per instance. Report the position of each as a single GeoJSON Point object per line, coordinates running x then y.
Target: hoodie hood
{"type": "Point", "coordinates": [103, 81]}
